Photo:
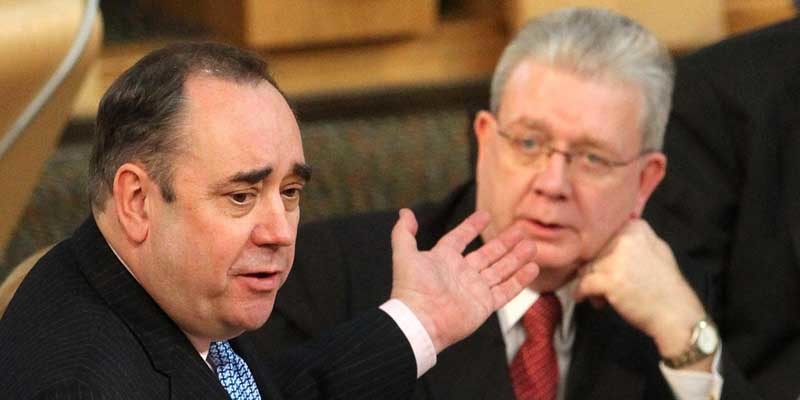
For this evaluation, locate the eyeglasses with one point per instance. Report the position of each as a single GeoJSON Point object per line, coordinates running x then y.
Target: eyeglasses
{"type": "Point", "coordinates": [534, 149]}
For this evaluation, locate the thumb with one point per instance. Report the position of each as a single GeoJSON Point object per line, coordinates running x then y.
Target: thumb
{"type": "Point", "coordinates": [404, 231]}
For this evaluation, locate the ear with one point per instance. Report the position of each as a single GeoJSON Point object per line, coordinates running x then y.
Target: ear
{"type": "Point", "coordinates": [483, 126]}
{"type": "Point", "coordinates": [131, 191]}
{"type": "Point", "coordinates": [651, 175]}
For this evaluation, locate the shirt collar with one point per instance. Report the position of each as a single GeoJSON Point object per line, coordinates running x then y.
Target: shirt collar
{"type": "Point", "coordinates": [123, 261]}
{"type": "Point", "coordinates": [510, 314]}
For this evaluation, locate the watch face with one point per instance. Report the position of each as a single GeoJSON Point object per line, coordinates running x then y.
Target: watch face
{"type": "Point", "coordinates": [707, 341]}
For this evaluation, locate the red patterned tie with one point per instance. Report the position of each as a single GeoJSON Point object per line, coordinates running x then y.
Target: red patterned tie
{"type": "Point", "coordinates": [534, 370]}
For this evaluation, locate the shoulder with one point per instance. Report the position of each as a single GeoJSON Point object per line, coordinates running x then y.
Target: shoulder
{"type": "Point", "coordinates": [352, 241]}
{"type": "Point", "coordinates": [58, 331]}
{"type": "Point", "coordinates": [749, 64]}
{"type": "Point", "coordinates": [366, 233]}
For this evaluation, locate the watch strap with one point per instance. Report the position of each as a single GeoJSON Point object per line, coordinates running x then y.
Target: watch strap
{"type": "Point", "coordinates": [693, 353]}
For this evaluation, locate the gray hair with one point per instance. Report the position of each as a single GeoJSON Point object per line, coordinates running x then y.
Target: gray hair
{"type": "Point", "coordinates": [600, 44]}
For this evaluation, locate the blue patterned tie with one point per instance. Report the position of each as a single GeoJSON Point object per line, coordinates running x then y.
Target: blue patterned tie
{"type": "Point", "coordinates": [233, 372]}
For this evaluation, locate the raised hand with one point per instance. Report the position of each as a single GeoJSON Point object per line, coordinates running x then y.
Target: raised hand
{"type": "Point", "coordinates": [452, 294]}
{"type": "Point", "coordinates": [637, 275]}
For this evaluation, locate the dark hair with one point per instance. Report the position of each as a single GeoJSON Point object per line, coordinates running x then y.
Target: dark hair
{"type": "Point", "coordinates": [138, 115]}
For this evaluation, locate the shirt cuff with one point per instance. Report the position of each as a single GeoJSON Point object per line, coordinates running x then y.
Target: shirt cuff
{"type": "Point", "coordinates": [688, 385]}
{"type": "Point", "coordinates": [417, 336]}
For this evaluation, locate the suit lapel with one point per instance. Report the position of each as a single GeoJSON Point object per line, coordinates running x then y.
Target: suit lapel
{"type": "Point", "coordinates": [245, 349]}
{"type": "Point", "coordinates": [790, 126]}
{"type": "Point", "coordinates": [167, 347]}
{"type": "Point", "coordinates": [601, 366]}
{"type": "Point", "coordinates": [474, 368]}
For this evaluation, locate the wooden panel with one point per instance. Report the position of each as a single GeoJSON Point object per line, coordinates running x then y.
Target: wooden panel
{"type": "Point", "coordinates": [458, 50]}
{"type": "Point", "coordinates": [518, 12]}
{"type": "Point", "coordinates": [746, 15]}
{"type": "Point", "coordinates": [669, 20]}
{"type": "Point", "coordinates": [303, 22]}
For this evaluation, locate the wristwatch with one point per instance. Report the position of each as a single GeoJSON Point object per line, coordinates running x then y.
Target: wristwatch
{"type": "Point", "coordinates": [703, 343]}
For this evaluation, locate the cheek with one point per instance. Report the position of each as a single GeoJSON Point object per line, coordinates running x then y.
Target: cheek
{"type": "Point", "coordinates": [216, 245]}
{"type": "Point", "coordinates": [603, 214]}
{"type": "Point", "coordinates": [501, 189]}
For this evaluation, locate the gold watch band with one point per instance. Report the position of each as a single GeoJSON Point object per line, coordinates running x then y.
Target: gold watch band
{"type": "Point", "coordinates": [695, 353]}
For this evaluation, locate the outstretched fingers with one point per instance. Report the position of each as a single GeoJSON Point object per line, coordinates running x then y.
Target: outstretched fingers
{"type": "Point", "coordinates": [500, 270]}
{"type": "Point", "coordinates": [494, 249]}
{"type": "Point", "coordinates": [511, 287]}
{"type": "Point", "coordinates": [458, 238]}
{"type": "Point", "coordinates": [506, 265]}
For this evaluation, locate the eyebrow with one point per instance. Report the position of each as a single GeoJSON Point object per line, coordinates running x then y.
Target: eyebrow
{"type": "Point", "coordinates": [250, 177]}
{"type": "Point", "coordinates": [302, 170]}
{"type": "Point", "coordinates": [583, 141]}
{"type": "Point", "coordinates": [533, 124]}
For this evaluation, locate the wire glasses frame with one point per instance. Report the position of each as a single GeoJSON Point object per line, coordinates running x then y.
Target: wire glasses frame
{"type": "Point", "coordinates": [581, 163]}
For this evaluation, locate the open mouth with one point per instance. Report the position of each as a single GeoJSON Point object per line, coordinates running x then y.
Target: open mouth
{"type": "Point", "coordinates": [261, 281]}
{"type": "Point", "coordinates": [544, 230]}
{"type": "Point", "coordinates": [261, 275]}
{"type": "Point", "coordinates": [546, 225]}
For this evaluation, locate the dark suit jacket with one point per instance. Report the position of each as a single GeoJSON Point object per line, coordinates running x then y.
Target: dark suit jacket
{"type": "Point", "coordinates": [344, 267]}
{"type": "Point", "coordinates": [730, 203]}
{"type": "Point", "coordinates": [81, 327]}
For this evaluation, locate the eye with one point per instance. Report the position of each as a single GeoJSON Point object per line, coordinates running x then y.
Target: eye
{"type": "Point", "coordinates": [528, 143]}
{"type": "Point", "coordinates": [242, 198]}
{"type": "Point", "coordinates": [292, 193]}
{"type": "Point", "coordinates": [594, 160]}
{"type": "Point", "coordinates": [291, 197]}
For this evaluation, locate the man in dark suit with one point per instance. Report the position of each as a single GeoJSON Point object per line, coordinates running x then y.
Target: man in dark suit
{"type": "Point", "coordinates": [195, 183]}
{"type": "Point", "coordinates": [729, 204]}
{"type": "Point", "coordinates": [570, 153]}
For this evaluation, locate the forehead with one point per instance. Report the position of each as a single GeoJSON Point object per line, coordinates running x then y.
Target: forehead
{"type": "Point", "coordinates": [572, 106]}
{"type": "Point", "coordinates": [237, 126]}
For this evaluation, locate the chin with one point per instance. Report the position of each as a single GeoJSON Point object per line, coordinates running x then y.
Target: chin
{"type": "Point", "coordinates": [252, 323]}
{"type": "Point", "coordinates": [255, 317]}
{"type": "Point", "coordinates": [555, 258]}
{"type": "Point", "coordinates": [552, 279]}
{"type": "Point", "coordinates": [554, 272]}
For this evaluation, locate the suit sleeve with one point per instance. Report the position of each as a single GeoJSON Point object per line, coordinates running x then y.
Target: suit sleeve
{"type": "Point", "coordinates": [717, 157]}
{"type": "Point", "coordinates": [365, 358]}
{"type": "Point", "coordinates": [71, 390]}
{"type": "Point", "coordinates": [694, 207]}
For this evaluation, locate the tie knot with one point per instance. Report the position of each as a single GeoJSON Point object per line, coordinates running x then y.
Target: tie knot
{"type": "Point", "coordinates": [541, 319]}
{"type": "Point", "coordinates": [221, 353]}
{"type": "Point", "coordinates": [233, 372]}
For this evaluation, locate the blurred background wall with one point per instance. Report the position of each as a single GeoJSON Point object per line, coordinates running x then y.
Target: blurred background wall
{"type": "Point", "coordinates": [384, 90]}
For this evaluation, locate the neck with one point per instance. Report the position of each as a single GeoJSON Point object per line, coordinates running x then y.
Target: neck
{"type": "Point", "coordinates": [199, 344]}
{"type": "Point", "coordinates": [552, 279]}
{"type": "Point", "coordinates": [107, 227]}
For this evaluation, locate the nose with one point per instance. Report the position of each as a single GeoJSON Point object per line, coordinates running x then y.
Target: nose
{"type": "Point", "coordinates": [552, 180]}
{"type": "Point", "coordinates": [275, 227]}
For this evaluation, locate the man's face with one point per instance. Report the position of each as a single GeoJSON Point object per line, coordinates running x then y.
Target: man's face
{"type": "Point", "coordinates": [570, 214]}
{"type": "Point", "coordinates": [216, 256]}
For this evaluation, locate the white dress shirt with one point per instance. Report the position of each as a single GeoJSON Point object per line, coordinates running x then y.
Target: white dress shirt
{"type": "Point", "coordinates": [685, 385]}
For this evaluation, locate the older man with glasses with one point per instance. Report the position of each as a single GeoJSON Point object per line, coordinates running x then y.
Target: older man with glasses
{"type": "Point", "coordinates": [569, 152]}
